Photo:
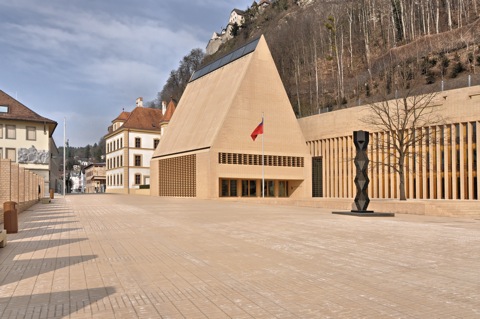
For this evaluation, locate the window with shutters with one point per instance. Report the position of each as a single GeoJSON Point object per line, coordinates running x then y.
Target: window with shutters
{"type": "Point", "coordinates": [11, 154]}
{"type": "Point", "coordinates": [11, 132]}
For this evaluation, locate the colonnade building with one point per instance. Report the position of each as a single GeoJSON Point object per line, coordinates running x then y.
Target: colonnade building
{"type": "Point", "coordinates": [207, 151]}
{"type": "Point", "coordinates": [444, 167]}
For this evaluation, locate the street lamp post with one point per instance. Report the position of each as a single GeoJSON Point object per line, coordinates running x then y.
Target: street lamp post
{"type": "Point", "coordinates": [64, 154]}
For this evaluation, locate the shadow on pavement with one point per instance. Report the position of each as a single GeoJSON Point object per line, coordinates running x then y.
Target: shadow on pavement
{"type": "Point", "coordinates": [54, 305]}
{"type": "Point", "coordinates": [46, 217]}
{"type": "Point", "coordinates": [45, 231]}
{"type": "Point", "coordinates": [23, 269]}
{"type": "Point", "coordinates": [21, 247]}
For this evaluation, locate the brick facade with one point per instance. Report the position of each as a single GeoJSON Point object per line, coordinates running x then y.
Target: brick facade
{"type": "Point", "coordinates": [19, 185]}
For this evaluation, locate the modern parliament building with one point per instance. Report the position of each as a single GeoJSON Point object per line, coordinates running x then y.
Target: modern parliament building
{"type": "Point", "coordinates": [207, 151]}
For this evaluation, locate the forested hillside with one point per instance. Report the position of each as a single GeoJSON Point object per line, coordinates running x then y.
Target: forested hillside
{"type": "Point", "coordinates": [338, 53]}
{"type": "Point", "coordinates": [87, 154]}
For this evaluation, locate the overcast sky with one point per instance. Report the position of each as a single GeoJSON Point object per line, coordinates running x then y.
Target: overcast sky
{"type": "Point", "coordinates": [85, 60]}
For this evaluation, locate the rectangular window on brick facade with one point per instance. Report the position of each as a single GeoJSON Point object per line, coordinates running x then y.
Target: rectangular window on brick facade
{"type": "Point", "coordinates": [1, 153]}
{"type": "Point", "coordinates": [138, 142]}
{"type": "Point", "coordinates": [155, 143]}
{"type": "Point", "coordinates": [249, 188]}
{"type": "Point", "coordinates": [138, 178]}
{"type": "Point", "coordinates": [11, 154]}
{"type": "Point", "coordinates": [269, 190]}
{"type": "Point", "coordinates": [138, 160]}
{"type": "Point", "coordinates": [283, 189]}
{"type": "Point", "coordinates": [1, 130]}
{"type": "Point", "coordinates": [11, 132]}
{"type": "Point", "coordinates": [228, 187]}
{"type": "Point", "coordinates": [31, 133]}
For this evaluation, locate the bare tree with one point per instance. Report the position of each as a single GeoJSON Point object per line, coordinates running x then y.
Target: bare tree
{"type": "Point", "coordinates": [178, 79]}
{"type": "Point", "coordinates": [401, 120]}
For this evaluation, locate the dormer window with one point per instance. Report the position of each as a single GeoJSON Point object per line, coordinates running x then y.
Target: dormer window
{"type": "Point", "coordinates": [3, 109]}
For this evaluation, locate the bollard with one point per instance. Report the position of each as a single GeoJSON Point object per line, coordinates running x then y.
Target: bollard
{"type": "Point", "coordinates": [10, 217]}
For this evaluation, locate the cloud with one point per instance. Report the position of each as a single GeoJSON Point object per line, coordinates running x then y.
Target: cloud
{"type": "Point", "coordinates": [101, 48]}
{"type": "Point", "coordinates": [129, 77]}
{"type": "Point", "coordinates": [88, 59]}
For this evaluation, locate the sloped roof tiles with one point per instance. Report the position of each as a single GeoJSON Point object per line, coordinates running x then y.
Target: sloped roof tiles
{"type": "Point", "coordinates": [18, 111]}
{"type": "Point", "coordinates": [144, 118]}
{"type": "Point", "coordinates": [122, 117]}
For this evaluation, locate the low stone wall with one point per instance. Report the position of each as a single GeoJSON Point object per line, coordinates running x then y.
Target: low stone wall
{"type": "Point", "coordinates": [132, 191]}
{"type": "Point", "coordinates": [19, 185]}
{"type": "Point", "coordinates": [446, 208]}
{"type": "Point", "coordinates": [140, 192]}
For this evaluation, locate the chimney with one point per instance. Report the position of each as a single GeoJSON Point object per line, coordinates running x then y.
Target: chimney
{"type": "Point", "coordinates": [139, 102]}
{"type": "Point", "coordinates": [164, 107]}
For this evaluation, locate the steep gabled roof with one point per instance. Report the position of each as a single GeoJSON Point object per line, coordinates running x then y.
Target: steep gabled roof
{"type": "Point", "coordinates": [226, 59]}
{"type": "Point", "coordinates": [144, 118]}
{"type": "Point", "coordinates": [18, 111]}
{"type": "Point", "coordinates": [222, 105]}
{"type": "Point", "coordinates": [170, 110]}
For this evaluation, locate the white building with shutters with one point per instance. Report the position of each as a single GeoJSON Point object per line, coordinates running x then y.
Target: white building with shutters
{"type": "Point", "coordinates": [26, 139]}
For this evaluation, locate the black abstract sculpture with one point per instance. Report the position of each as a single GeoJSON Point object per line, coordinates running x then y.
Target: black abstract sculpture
{"type": "Point", "coordinates": [360, 139]}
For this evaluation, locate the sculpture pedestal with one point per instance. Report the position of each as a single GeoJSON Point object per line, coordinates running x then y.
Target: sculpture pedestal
{"type": "Point", "coordinates": [365, 213]}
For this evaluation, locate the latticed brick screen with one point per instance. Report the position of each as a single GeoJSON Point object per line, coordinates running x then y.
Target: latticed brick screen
{"type": "Point", "coordinates": [177, 176]}
{"type": "Point", "coordinates": [256, 159]}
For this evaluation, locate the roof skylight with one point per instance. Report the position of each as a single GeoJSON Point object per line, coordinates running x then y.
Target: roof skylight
{"type": "Point", "coordinates": [232, 56]}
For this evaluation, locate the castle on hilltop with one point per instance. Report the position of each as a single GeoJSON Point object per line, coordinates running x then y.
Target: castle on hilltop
{"type": "Point", "coordinates": [235, 22]}
{"type": "Point", "coordinates": [218, 38]}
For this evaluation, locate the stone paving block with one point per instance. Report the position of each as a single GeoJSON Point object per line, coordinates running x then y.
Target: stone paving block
{"type": "Point", "coordinates": [115, 256]}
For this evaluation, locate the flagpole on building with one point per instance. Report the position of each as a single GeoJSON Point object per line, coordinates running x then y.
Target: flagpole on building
{"type": "Point", "coordinates": [263, 158]}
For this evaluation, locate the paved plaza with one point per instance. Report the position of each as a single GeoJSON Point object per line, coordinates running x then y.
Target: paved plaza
{"type": "Point", "coordinates": [117, 256]}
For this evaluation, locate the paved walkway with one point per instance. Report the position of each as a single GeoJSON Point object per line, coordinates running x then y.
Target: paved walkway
{"type": "Point", "coordinates": [114, 256]}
